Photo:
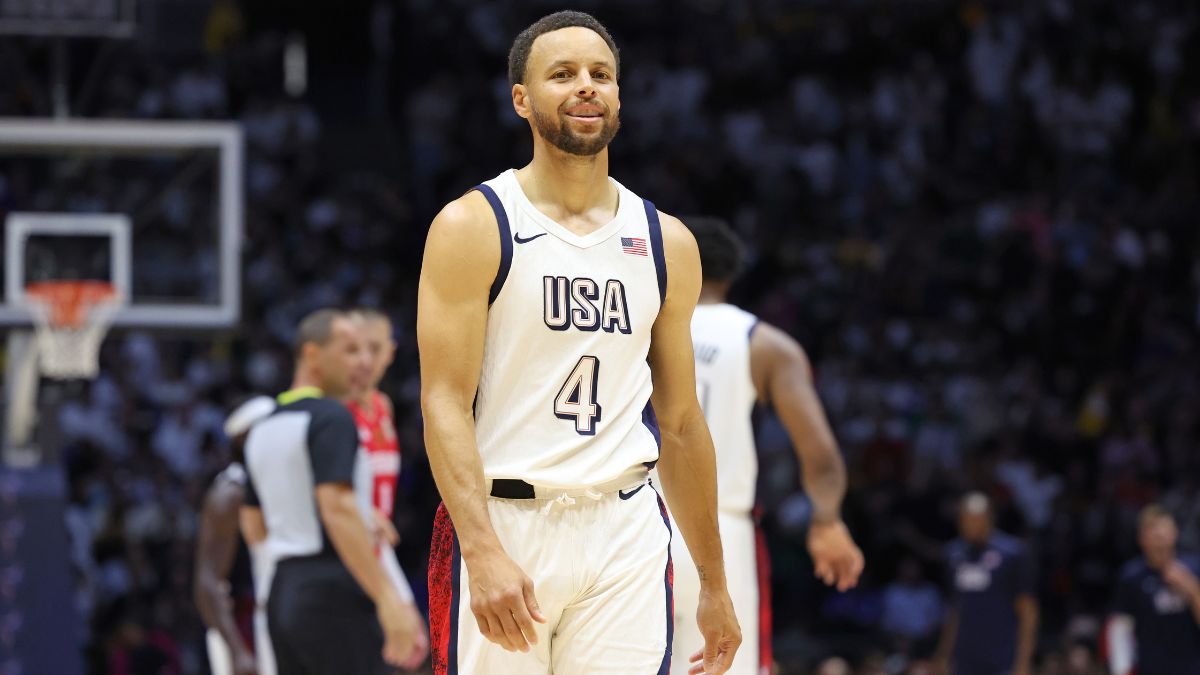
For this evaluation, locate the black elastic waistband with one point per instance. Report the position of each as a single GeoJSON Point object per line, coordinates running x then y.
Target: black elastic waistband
{"type": "Point", "coordinates": [512, 488]}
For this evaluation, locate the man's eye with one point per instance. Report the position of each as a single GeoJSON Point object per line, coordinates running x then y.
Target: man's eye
{"type": "Point", "coordinates": [562, 75]}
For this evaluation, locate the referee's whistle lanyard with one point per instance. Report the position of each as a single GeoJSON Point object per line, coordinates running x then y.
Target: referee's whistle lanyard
{"type": "Point", "coordinates": [293, 395]}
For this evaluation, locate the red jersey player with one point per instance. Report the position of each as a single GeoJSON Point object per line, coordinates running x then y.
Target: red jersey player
{"type": "Point", "coordinates": [372, 410]}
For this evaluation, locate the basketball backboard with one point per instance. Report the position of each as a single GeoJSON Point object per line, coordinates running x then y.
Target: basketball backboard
{"type": "Point", "coordinates": [175, 187]}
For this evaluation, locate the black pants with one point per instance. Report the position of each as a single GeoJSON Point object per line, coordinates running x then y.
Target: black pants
{"type": "Point", "coordinates": [321, 622]}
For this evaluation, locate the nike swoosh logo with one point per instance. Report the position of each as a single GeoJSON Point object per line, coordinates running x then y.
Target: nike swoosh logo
{"type": "Point", "coordinates": [517, 238]}
{"type": "Point", "coordinates": [626, 495]}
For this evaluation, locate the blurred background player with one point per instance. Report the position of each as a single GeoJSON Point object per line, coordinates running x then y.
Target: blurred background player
{"type": "Point", "coordinates": [1155, 627]}
{"type": "Point", "coordinates": [374, 417]}
{"type": "Point", "coordinates": [991, 626]}
{"type": "Point", "coordinates": [216, 550]}
{"type": "Point", "coordinates": [310, 494]}
{"type": "Point", "coordinates": [741, 362]}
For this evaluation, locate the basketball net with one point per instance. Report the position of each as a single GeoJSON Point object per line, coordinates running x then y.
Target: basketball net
{"type": "Point", "coordinates": [71, 319]}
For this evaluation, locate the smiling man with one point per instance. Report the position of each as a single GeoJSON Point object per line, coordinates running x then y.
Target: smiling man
{"type": "Point", "coordinates": [556, 364]}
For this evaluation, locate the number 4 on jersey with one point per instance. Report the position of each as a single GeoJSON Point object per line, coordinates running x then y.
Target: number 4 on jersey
{"type": "Point", "coordinates": [577, 398]}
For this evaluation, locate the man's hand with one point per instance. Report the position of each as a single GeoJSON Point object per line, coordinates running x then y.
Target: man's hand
{"type": "Point", "coordinates": [383, 530]}
{"type": "Point", "coordinates": [503, 602]}
{"type": "Point", "coordinates": [722, 634]}
{"type": "Point", "coordinates": [837, 561]}
{"type": "Point", "coordinates": [401, 628]}
{"type": "Point", "coordinates": [420, 648]}
{"type": "Point", "coordinates": [1180, 578]}
{"type": "Point", "coordinates": [243, 663]}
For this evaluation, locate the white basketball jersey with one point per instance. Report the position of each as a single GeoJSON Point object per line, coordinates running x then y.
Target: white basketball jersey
{"type": "Point", "coordinates": [564, 392]}
{"type": "Point", "coordinates": [721, 338]}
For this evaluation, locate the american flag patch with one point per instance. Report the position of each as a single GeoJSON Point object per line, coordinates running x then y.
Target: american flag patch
{"type": "Point", "coordinates": [633, 245]}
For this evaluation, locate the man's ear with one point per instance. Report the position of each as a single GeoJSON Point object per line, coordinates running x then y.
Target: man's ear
{"type": "Point", "coordinates": [521, 102]}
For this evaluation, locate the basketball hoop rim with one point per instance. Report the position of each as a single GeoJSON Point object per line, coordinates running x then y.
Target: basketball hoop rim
{"type": "Point", "coordinates": [71, 303]}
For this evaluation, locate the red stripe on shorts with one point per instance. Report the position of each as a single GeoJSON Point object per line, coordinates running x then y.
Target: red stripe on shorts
{"type": "Point", "coordinates": [444, 564]}
{"type": "Point", "coordinates": [763, 558]}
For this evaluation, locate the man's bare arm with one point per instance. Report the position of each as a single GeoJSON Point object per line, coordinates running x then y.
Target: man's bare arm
{"type": "Point", "coordinates": [783, 378]}
{"type": "Point", "coordinates": [254, 528]}
{"type": "Point", "coordinates": [945, 650]}
{"type": "Point", "coordinates": [687, 461]}
{"type": "Point", "coordinates": [338, 508]}
{"type": "Point", "coordinates": [351, 538]}
{"type": "Point", "coordinates": [1027, 626]}
{"type": "Point", "coordinates": [216, 547]}
{"type": "Point", "coordinates": [462, 256]}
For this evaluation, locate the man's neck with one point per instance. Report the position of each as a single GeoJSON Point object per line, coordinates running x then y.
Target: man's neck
{"type": "Point", "coordinates": [303, 378]}
{"type": "Point", "coordinates": [569, 185]}
{"type": "Point", "coordinates": [712, 293]}
{"type": "Point", "coordinates": [366, 399]}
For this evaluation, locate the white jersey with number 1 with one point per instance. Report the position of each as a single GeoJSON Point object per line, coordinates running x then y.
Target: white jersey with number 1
{"type": "Point", "coordinates": [721, 339]}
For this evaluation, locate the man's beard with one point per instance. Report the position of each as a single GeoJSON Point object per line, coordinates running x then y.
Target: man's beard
{"type": "Point", "coordinates": [561, 136]}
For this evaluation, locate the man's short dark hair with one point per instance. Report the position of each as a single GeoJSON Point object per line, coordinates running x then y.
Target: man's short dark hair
{"type": "Point", "coordinates": [372, 314]}
{"type": "Point", "coordinates": [1153, 513]}
{"type": "Point", "coordinates": [317, 328]}
{"type": "Point", "coordinates": [518, 56]}
{"type": "Point", "coordinates": [720, 248]}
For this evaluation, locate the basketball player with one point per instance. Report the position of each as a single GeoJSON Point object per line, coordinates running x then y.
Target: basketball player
{"type": "Point", "coordinates": [556, 362]}
{"type": "Point", "coordinates": [216, 547]}
{"type": "Point", "coordinates": [372, 410]}
{"type": "Point", "coordinates": [310, 494]}
{"type": "Point", "coordinates": [1155, 627]}
{"type": "Point", "coordinates": [741, 361]}
{"type": "Point", "coordinates": [991, 626]}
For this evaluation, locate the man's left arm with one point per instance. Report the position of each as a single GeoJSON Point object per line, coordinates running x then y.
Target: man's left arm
{"type": "Point", "coordinates": [687, 461]}
{"type": "Point", "coordinates": [216, 547]}
{"type": "Point", "coordinates": [783, 379]}
{"type": "Point", "coordinates": [1027, 615]}
{"type": "Point", "coordinates": [1184, 581]}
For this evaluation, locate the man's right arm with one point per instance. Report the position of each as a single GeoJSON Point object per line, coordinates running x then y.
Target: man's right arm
{"type": "Point", "coordinates": [333, 449]}
{"type": "Point", "coordinates": [783, 378]}
{"type": "Point", "coordinates": [945, 649]}
{"type": "Point", "coordinates": [462, 256]}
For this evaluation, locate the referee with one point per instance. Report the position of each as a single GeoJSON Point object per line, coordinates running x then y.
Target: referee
{"type": "Point", "coordinates": [310, 488]}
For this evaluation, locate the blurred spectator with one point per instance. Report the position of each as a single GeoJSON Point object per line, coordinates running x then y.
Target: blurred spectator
{"type": "Point", "coordinates": [912, 609]}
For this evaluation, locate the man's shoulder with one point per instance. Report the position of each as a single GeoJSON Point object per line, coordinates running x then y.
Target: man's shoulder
{"type": "Point", "coordinates": [955, 548]}
{"type": "Point", "coordinates": [325, 409]}
{"type": "Point", "coordinates": [1133, 570]}
{"type": "Point", "coordinates": [469, 213]}
{"type": "Point", "coordinates": [234, 474]}
{"type": "Point", "coordinates": [1008, 544]}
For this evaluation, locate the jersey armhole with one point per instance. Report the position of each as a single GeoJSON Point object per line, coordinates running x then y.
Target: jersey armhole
{"type": "Point", "coordinates": [656, 248]}
{"type": "Point", "coordinates": [506, 247]}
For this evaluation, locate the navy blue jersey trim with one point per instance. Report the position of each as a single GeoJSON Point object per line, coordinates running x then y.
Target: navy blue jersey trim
{"type": "Point", "coordinates": [750, 333]}
{"type": "Point", "coordinates": [506, 242]}
{"type": "Point", "coordinates": [455, 597]}
{"type": "Point", "coordinates": [664, 668]}
{"type": "Point", "coordinates": [656, 247]}
{"type": "Point", "coordinates": [650, 420]}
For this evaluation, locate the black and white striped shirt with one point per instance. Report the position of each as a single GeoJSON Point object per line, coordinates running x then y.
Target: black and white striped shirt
{"type": "Point", "coordinates": [307, 441]}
